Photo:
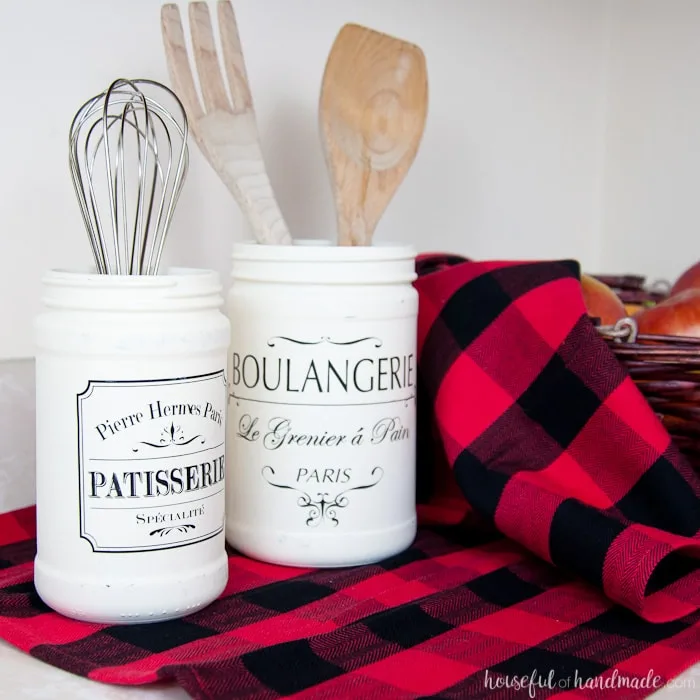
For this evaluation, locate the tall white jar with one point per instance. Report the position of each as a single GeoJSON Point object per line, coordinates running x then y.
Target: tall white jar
{"type": "Point", "coordinates": [322, 406]}
{"type": "Point", "coordinates": [131, 402]}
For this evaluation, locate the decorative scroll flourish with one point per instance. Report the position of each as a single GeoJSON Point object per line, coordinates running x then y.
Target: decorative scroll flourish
{"type": "Point", "coordinates": [322, 508]}
{"type": "Point", "coordinates": [172, 435]}
{"type": "Point", "coordinates": [172, 528]}
{"type": "Point", "coordinates": [325, 339]}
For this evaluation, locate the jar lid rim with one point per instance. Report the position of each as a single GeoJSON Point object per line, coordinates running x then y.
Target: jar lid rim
{"type": "Point", "coordinates": [171, 277]}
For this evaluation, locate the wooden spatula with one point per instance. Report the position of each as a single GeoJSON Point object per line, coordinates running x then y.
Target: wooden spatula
{"type": "Point", "coordinates": [372, 111]}
{"type": "Point", "coordinates": [225, 129]}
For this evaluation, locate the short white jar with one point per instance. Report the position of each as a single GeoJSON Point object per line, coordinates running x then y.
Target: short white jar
{"type": "Point", "coordinates": [322, 407]}
{"type": "Point", "coordinates": [131, 402]}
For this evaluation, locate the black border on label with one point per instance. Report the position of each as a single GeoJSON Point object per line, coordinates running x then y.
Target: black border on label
{"type": "Point", "coordinates": [92, 383]}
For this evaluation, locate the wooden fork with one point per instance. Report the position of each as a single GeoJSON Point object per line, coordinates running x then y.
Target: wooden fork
{"type": "Point", "coordinates": [225, 130]}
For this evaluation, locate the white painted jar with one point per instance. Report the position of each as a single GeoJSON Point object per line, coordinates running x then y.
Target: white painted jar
{"type": "Point", "coordinates": [131, 402]}
{"type": "Point", "coordinates": [322, 405]}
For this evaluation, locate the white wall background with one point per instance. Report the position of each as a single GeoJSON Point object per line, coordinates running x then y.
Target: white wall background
{"type": "Point", "coordinates": [556, 128]}
{"type": "Point", "coordinates": [652, 177]}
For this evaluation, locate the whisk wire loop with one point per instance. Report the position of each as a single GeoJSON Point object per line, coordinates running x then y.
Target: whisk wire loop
{"type": "Point", "coordinates": [127, 207]}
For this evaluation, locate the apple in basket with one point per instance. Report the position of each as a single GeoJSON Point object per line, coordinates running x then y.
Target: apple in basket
{"type": "Point", "coordinates": [678, 315]}
{"type": "Point", "coordinates": [689, 279]}
{"type": "Point", "coordinates": [601, 301]}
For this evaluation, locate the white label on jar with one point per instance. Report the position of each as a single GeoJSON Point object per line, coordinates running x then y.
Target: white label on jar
{"type": "Point", "coordinates": [151, 461]}
{"type": "Point", "coordinates": [327, 426]}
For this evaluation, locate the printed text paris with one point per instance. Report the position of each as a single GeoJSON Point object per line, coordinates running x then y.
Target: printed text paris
{"type": "Point", "coordinates": [155, 410]}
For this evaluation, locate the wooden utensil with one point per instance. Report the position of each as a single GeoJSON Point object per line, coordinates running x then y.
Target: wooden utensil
{"type": "Point", "coordinates": [373, 107]}
{"type": "Point", "coordinates": [225, 130]}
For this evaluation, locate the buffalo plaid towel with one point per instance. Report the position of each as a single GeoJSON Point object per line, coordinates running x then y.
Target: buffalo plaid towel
{"type": "Point", "coordinates": [556, 554]}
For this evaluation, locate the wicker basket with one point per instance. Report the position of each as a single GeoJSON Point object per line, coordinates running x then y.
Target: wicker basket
{"type": "Point", "coordinates": [666, 369]}
{"type": "Point", "coordinates": [633, 290]}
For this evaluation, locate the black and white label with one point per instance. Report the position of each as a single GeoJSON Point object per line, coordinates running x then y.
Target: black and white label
{"type": "Point", "coordinates": [328, 424]}
{"type": "Point", "coordinates": [152, 462]}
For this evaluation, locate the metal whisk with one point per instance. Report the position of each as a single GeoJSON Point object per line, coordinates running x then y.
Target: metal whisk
{"type": "Point", "coordinates": [128, 159]}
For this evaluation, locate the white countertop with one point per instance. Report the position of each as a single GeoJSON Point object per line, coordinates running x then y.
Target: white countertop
{"type": "Point", "coordinates": [23, 677]}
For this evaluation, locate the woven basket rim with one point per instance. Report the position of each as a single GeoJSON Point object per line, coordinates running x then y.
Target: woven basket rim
{"type": "Point", "coordinates": [625, 334]}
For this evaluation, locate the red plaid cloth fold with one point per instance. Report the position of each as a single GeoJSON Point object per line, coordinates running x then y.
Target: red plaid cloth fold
{"type": "Point", "coordinates": [529, 428]}
{"type": "Point", "coordinates": [547, 435]}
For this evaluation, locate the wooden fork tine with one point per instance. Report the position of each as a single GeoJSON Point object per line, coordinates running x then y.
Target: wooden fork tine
{"type": "Point", "coordinates": [178, 63]}
{"type": "Point", "coordinates": [233, 58]}
{"type": "Point", "coordinates": [210, 79]}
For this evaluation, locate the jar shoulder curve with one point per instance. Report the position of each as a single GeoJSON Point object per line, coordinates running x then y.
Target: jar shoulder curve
{"type": "Point", "coordinates": [309, 300]}
{"type": "Point", "coordinates": [131, 333]}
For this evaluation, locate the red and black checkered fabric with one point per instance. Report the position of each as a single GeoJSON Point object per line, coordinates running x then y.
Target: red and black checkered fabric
{"type": "Point", "coordinates": [547, 436]}
{"type": "Point", "coordinates": [556, 553]}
